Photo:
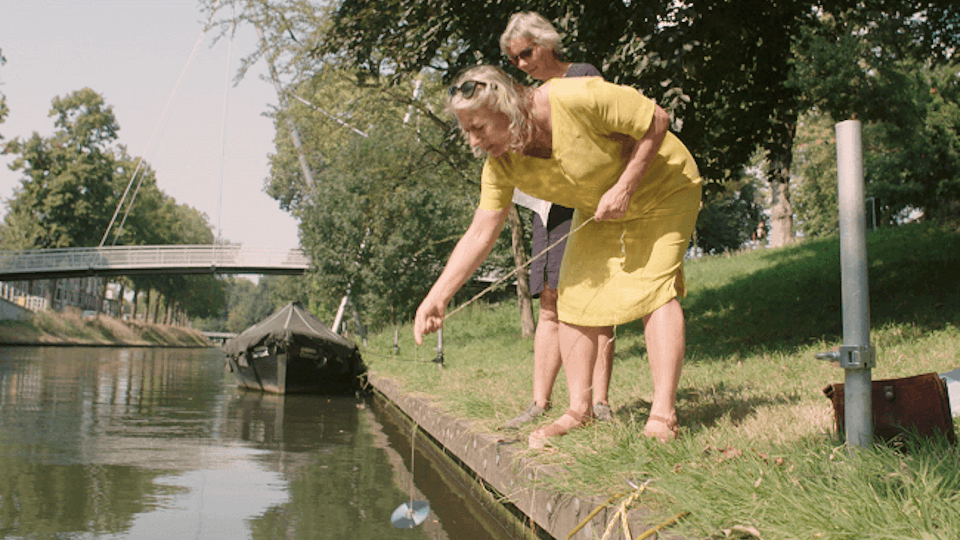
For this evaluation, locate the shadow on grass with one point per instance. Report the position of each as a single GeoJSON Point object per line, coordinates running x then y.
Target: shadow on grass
{"type": "Point", "coordinates": [705, 411]}
{"type": "Point", "coordinates": [794, 298]}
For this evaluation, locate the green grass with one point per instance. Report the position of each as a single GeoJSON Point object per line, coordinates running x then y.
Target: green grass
{"type": "Point", "coordinates": [758, 450]}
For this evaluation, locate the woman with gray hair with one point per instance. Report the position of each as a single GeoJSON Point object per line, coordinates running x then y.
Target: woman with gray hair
{"type": "Point", "coordinates": [606, 151]}
{"type": "Point", "coordinates": [532, 44]}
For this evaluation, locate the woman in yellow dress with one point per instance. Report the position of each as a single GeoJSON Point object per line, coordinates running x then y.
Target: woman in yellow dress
{"type": "Point", "coordinates": [604, 150]}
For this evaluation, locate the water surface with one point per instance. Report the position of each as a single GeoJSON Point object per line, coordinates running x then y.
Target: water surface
{"type": "Point", "coordinates": [160, 443]}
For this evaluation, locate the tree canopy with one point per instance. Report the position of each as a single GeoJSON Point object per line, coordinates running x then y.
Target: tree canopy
{"type": "Point", "coordinates": [730, 72]}
{"type": "Point", "coordinates": [897, 76]}
{"type": "Point", "coordinates": [4, 110]}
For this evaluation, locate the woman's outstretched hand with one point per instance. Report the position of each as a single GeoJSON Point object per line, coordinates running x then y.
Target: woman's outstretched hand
{"type": "Point", "coordinates": [429, 319]}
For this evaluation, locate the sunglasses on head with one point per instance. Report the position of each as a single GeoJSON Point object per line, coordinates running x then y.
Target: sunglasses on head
{"type": "Point", "coordinates": [468, 89]}
{"type": "Point", "coordinates": [524, 54]}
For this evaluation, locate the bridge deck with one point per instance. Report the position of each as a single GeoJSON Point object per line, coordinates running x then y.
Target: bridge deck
{"type": "Point", "coordinates": [127, 260]}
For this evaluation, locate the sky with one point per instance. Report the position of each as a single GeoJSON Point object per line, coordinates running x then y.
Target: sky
{"type": "Point", "coordinates": [133, 53]}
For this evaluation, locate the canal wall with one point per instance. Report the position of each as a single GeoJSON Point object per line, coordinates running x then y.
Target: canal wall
{"type": "Point", "coordinates": [499, 463]}
{"type": "Point", "coordinates": [12, 312]}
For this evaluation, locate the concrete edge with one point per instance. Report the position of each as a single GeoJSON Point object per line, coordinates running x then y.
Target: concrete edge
{"type": "Point", "coordinates": [10, 311]}
{"type": "Point", "coordinates": [498, 463]}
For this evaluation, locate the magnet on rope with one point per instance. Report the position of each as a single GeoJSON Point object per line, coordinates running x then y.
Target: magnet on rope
{"type": "Point", "coordinates": [409, 515]}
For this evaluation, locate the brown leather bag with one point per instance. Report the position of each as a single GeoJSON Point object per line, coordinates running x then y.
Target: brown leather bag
{"type": "Point", "coordinates": [913, 404]}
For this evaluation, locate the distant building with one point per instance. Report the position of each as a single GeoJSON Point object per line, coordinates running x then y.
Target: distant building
{"type": "Point", "coordinates": [82, 293]}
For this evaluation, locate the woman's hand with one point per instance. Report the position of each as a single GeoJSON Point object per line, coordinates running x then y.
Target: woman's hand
{"type": "Point", "coordinates": [638, 154]}
{"type": "Point", "coordinates": [614, 203]}
{"type": "Point", "coordinates": [429, 318]}
{"type": "Point", "coordinates": [471, 250]}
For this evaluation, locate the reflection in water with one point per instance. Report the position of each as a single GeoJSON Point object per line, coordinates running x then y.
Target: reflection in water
{"type": "Point", "coordinates": [159, 443]}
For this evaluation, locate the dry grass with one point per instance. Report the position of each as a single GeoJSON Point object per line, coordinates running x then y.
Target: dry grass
{"type": "Point", "coordinates": [71, 328]}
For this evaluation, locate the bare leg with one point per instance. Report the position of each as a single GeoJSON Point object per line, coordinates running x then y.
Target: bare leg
{"type": "Point", "coordinates": [666, 343]}
{"type": "Point", "coordinates": [546, 349]}
{"type": "Point", "coordinates": [604, 365]}
{"type": "Point", "coordinates": [578, 348]}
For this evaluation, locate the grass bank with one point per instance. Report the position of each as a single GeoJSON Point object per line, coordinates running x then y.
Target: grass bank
{"type": "Point", "coordinates": [71, 328]}
{"type": "Point", "coordinates": [758, 454]}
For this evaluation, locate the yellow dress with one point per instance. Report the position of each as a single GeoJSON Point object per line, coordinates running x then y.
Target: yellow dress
{"type": "Point", "coordinates": [614, 271]}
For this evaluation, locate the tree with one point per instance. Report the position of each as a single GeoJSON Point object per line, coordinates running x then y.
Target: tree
{"type": "Point", "coordinates": [382, 229]}
{"type": "Point", "coordinates": [816, 169]}
{"type": "Point", "coordinates": [722, 68]}
{"type": "Point", "coordinates": [893, 75]}
{"type": "Point", "coordinates": [4, 110]}
{"type": "Point", "coordinates": [66, 195]}
{"type": "Point", "coordinates": [729, 217]}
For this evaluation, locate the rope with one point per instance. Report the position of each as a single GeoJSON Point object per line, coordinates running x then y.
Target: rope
{"type": "Point", "coordinates": [413, 449]}
{"type": "Point", "coordinates": [517, 269]}
{"type": "Point", "coordinates": [328, 115]}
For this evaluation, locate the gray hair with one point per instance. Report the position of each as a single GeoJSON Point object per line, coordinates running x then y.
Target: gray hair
{"type": "Point", "coordinates": [530, 24]}
{"type": "Point", "coordinates": [501, 94]}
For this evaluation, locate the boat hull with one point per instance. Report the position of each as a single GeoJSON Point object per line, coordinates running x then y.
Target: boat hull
{"type": "Point", "coordinates": [296, 369]}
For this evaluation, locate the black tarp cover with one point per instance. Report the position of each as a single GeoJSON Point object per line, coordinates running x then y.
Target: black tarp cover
{"type": "Point", "coordinates": [280, 328]}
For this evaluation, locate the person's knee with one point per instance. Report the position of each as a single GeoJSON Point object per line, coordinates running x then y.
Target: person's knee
{"type": "Point", "coordinates": [667, 312]}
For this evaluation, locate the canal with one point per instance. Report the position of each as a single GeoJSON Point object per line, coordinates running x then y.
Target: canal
{"type": "Point", "coordinates": [141, 443]}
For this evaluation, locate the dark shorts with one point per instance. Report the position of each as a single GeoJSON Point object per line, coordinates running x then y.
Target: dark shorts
{"type": "Point", "coordinates": [546, 269]}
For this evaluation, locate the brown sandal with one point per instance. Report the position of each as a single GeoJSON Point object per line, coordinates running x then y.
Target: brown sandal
{"type": "Point", "coordinates": [671, 431]}
{"type": "Point", "coordinates": [540, 436]}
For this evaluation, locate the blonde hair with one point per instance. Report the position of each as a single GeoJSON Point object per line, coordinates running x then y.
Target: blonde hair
{"type": "Point", "coordinates": [500, 94]}
{"type": "Point", "coordinates": [530, 24]}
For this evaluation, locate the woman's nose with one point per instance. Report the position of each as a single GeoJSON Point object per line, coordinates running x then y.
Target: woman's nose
{"type": "Point", "coordinates": [474, 139]}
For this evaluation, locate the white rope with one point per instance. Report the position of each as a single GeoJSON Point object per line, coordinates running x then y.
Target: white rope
{"type": "Point", "coordinates": [517, 269]}
{"type": "Point", "coordinates": [328, 115]}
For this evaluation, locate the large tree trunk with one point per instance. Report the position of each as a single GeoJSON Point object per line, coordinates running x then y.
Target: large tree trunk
{"type": "Point", "coordinates": [519, 248]}
{"type": "Point", "coordinates": [101, 294]}
{"type": "Point", "coordinates": [50, 295]}
{"type": "Point", "coordinates": [781, 215]}
{"type": "Point", "coordinates": [136, 304]}
{"type": "Point", "coordinates": [156, 308]}
{"type": "Point", "coordinates": [779, 157]}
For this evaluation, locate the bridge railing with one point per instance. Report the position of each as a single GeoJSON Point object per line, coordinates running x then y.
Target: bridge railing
{"type": "Point", "coordinates": [133, 257]}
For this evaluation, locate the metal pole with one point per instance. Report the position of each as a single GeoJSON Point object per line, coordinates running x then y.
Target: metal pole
{"type": "Point", "coordinates": [856, 354]}
{"type": "Point", "coordinates": [339, 317]}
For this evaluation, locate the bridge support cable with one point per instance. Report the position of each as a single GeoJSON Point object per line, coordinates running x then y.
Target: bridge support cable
{"type": "Point", "coordinates": [328, 115]}
{"type": "Point", "coordinates": [294, 134]}
{"type": "Point", "coordinates": [157, 130]}
{"type": "Point", "coordinates": [223, 127]}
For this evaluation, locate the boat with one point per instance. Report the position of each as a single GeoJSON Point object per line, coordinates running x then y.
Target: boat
{"type": "Point", "coordinates": [293, 352]}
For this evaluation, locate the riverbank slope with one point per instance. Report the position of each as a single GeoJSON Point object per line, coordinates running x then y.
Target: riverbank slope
{"type": "Point", "coordinates": [71, 328]}
{"type": "Point", "coordinates": [759, 455]}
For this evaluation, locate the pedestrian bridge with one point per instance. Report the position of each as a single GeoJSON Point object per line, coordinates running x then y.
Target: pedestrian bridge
{"type": "Point", "coordinates": [220, 337]}
{"type": "Point", "coordinates": [131, 260]}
